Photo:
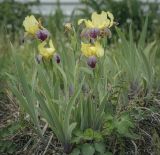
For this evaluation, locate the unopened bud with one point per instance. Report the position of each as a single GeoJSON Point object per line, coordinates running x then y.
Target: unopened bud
{"type": "Point", "coordinates": [39, 58]}
{"type": "Point", "coordinates": [68, 27]}
{"type": "Point", "coordinates": [92, 61]}
{"type": "Point", "coordinates": [57, 58]}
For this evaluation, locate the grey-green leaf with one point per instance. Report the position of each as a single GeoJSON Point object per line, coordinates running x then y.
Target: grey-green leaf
{"type": "Point", "coordinates": [76, 151]}
{"type": "Point", "coordinates": [100, 147]}
{"type": "Point", "coordinates": [87, 149]}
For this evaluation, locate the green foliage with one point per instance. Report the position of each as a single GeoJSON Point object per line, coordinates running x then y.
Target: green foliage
{"type": "Point", "coordinates": [39, 91]}
{"type": "Point", "coordinates": [136, 61]}
{"type": "Point", "coordinates": [76, 151]}
{"type": "Point", "coordinates": [87, 149]}
{"type": "Point", "coordinates": [6, 145]}
{"type": "Point", "coordinates": [27, 101]}
{"type": "Point", "coordinates": [121, 126]}
{"type": "Point", "coordinates": [3, 62]}
{"type": "Point", "coordinates": [87, 135]}
{"type": "Point", "coordinates": [91, 149]}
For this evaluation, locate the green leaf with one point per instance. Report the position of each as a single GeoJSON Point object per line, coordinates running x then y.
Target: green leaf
{"type": "Point", "coordinates": [123, 125]}
{"type": "Point", "coordinates": [88, 134]}
{"type": "Point", "coordinates": [109, 125]}
{"type": "Point", "coordinates": [87, 149]}
{"type": "Point", "coordinates": [97, 136]}
{"type": "Point", "coordinates": [76, 151]}
{"type": "Point", "coordinates": [78, 136]}
{"type": "Point", "coordinates": [143, 35]}
{"type": "Point", "coordinates": [100, 147]}
{"type": "Point", "coordinates": [86, 70]}
{"type": "Point", "coordinates": [76, 140]}
{"type": "Point", "coordinates": [50, 114]}
{"type": "Point", "coordinates": [70, 104]}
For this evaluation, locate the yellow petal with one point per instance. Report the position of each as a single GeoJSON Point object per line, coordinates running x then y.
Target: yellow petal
{"type": "Point", "coordinates": [99, 20]}
{"type": "Point", "coordinates": [92, 50]}
{"type": "Point", "coordinates": [31, 25]}
{"type": "Point", "coordinates": [51, 44]}
{"type": "Point", "coordinates": [80, 21]}
{"type": "Point", "coordinates": [89, 24]}
{"type": "Point", "coordinates": [86, 49]}
{"type": "Point", "coordinates": [46, 52]}
{"type": "Point", "coordinates": [111, 17]}
{"type": "Point", "coordinates": [99, 49]}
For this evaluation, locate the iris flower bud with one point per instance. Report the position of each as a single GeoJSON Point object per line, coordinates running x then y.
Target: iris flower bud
{"type": "Point", "coordinates": [39, 58]}
{"type": "Point", "coordinates": [68, 27]}
{"type": "Point", "coordinates": [92, 61]}
{"type": "Point", "coordinates": [57, 58]}
{"type": "Point", "coordinates": [42, 34]}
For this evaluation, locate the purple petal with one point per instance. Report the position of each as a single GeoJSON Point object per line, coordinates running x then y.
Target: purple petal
{"type": "Point", "coordinates": [94, 33]}
{"type": "Point", "coordinates": [90, 33]}
{"type": "Point", "coordinates": [43, 34]}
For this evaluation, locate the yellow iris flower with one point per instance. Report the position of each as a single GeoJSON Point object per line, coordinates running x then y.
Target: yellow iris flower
{"type": "Point", "coordinates": [46, 52]}
{"type": "Point", "coordinates": [31, 25]}
{"type": "Point", "coordinates": [103, 20]}
{"type": "Point", "coordinates": [92, 49]}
